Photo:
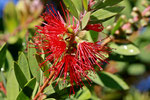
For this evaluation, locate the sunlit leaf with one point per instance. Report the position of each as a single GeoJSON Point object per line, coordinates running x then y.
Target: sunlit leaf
{"type": "Point", "coordinates": [136, 69]}
{"type": "Point", "coordinates": [2, 54]}
{"type": "Point", "coordinates": [112, 81]}
{"type": "Point", "coordinates": [8, 61]}
{"type": "Point", "coordinates": [95, 78]}
{"type": "Point", "coordinates": [43, 67]}
{"type": "Point", "coordinates": [85, 19]}
{"type": "Point", "coordinates": [24, 66]}
{"type": "Point", "coordinates": [83, 94]}
{"type": "Point", "coordinates": [10, 17]}
{"type": "Point", "coordinates": [19, 75]}
{"type": "Point", "coordinates": [125, 49]}
{"type": "Point", "coordinates": [12, 86]}
{"type": "Point", "coordinates": [128, 8]}
{"type": "Point", "coordinates": [78, 5]}
{"type": "Point", "coordinates": [104, 3]}
{"type": "Point", "coordinates": [118, 25]}
{"type": "Point", "coordinates": [33, 64]}
{"type": "Point", "coordinates": [144, 55]}
{"type": "Point", "coordinates": [105, 13]}
{"type": "Point", "coordinates": [91, 36]}
{"type": "Point", "coordinates": [72, 9]}
{"type": "Point", "coordinates": [26, 92]}
{"type": "Point", "coordinates": [85, 4]}
{"type": "Point", "coordinates": [13, 39]}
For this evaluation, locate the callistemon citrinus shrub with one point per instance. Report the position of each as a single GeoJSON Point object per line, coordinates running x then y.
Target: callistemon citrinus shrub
{"type": "Point", "coordinates": [71, 56]}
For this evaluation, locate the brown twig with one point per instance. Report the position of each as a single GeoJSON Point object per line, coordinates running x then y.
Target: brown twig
{"type": "Point", "coordinates": [44, 86]}
{"type": "Point", "coordinates": [107, 40]}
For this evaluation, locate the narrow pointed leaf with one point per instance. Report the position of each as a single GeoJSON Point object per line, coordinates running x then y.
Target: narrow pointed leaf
{"type": "Point", "coordinates": [95, 78]}
{"type": "Point", "coordinates": [63, 93]}
{"type": "Point", "coordinates": [106, 13]}
{"type": "Point", "coordinates": [91, 36]}
{"type": "Point", "coordinates": [8, 61]}
{"type": "Point", "coordinates": [43, 67]}
{"type": "Point", "coordinates": [125, 49]}
{"type": "Point", "coordinates": [72, 9]}
{"type": "Point", "coordinates": [2, 54]}
{"type": "Point", "coordinates": [83, 94]}
{"type": "Point", "coordinates": [112, 81]}
{"type": "Point", "coordinates": [85, 4]}
{"type": "Point", "coordinates": [19, 75]}
{"type": "Point", "coordinates": [117, 26]}
{"type": "Point", "coordinates": [78, 5]}
{"type": "Point", "coordinates": [106, 3]}
{"type": "Point", "coordinates": [12, 86]}
{"type": "Point", "coordinates": [85, 19]}
{"type": "Point", "coordinates": [24, 66]}
{"type": "Point", "coordinates": [10, 17]}
{"type": "Point", "coordinates": [26, 92]}
{"type": "Point", "coordinates": [33, 64]}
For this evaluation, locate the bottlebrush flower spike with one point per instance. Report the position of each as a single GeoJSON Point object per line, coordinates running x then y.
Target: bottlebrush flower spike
{"type": "Point", "coordinates": [69, 57]}
{"type": "Point", "coordinates": [95, 27]}
{"type": "Point", "coordinates": [56, 39]}
{"type": "Point", "coordinates": [70, 64]}
{"type": "Point", "coordinates": [92, 54]}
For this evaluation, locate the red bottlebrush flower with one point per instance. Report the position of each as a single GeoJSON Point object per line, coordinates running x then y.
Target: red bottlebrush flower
{"type": "Point", "coordinates": [53, 37]}
{"type": "Point", "coordinates": [56, 39]}
{"type": "Point", "coordinates": [92, 54]}
{"type": "Point", "coordinates": [70, 66]}
{"type": "Point", "coordinates": [95, 27]}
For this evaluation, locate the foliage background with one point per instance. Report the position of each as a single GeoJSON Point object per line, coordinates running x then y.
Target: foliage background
{"type": "Point", "coordinates": [126, 77]}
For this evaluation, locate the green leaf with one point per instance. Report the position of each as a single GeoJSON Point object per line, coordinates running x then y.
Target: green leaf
{"type": "Point", "coordinates": [128, 8]}
{"type": "Point", "coordinates": [10, 17]}
{"type": "Point", "coordinates": [12, 86]}
{"type": "Point", "coordinates": [112, 81]}
{"type": "Point", "coordinates": [37, 86]}
{"type": "Point", "coordinates": [8, 61]}
{"type": "Point", "coordinates": [19, 75]}
{"type": "Point", "coordinates": [139, 5]}
{"type": "Point", "coordinates": [69, 4]}
{"type": "Point", "coordinates": [144, 55]}
{"type": "Point", "coordinates": [26, 92]}
{"type": "Point", "coordinates": [95, 78]}
{"type": "Point", "coordinates": [44, 67]}
{"type": "Point", "coordinates": [83, 94]}
{"type": "Point", "coordinates": [85, 19]}
{"type": "Point", "coordinates": [13, 39]}
{"type": "Point", "coordinates": [91, 36]}
{"type": "Point", "coordinates": [103, 14]}
{"type": "Point", "coordinates": [62, 93]}
{"type": "Point", "coordinates": [117, 26]}
{"type": "Point", "coordinates": [85, 4]}
{"type": "Point", "coordinates": [119, 57]}
{"type": "Point", "coordinates": [2, 54]}
{"type": "Point", "coordinates": [35, 22]}
{"type": "Point", "coordinates": [125, 49]}
{"type": "Point", "coordinates": [24, 66]}
{"type": "Point", "coordinates": [33, 64]}
{"type": "Point", "coordinates": [105, 3]}
{"type": "Point", "coordinates": [22, 33]}
{"type": "Point", "coordinates": [145, 34]}
{"type": "Point", "coordinates": [78, 5]}
{"type": "Point", "coordinates": [136, 69]}
{"type": "Point", "coordinates": [50, 99]}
